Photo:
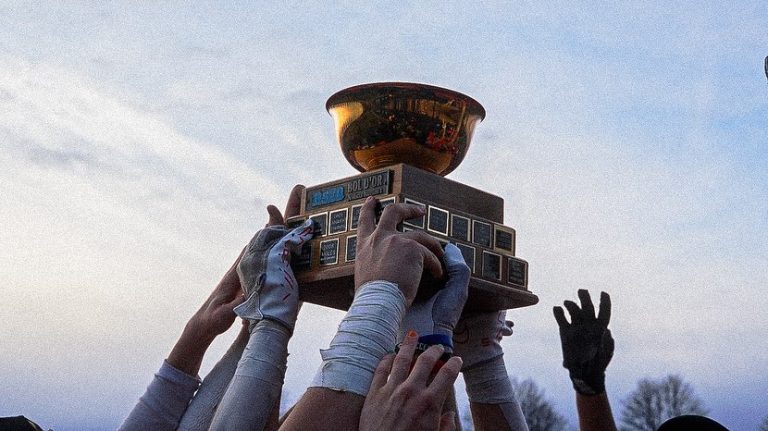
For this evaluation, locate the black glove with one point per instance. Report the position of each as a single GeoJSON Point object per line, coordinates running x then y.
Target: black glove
{"type": "Point", "coordinates": [587, 342]}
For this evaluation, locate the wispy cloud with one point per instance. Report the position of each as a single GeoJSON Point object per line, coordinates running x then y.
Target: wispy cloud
{"type": "Point", "coordinates": [104, 204]}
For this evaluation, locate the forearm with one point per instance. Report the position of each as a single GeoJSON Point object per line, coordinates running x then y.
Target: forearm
{"type": "Point", "coordinates": [187, 354]}
{"type": "Point", "coordinates": [595, 412]}
{"type": "Point", "coordinates": [492, 399]}
{"type": "Point", "coordinates": [164, 402]}
{"type": "Point", "coordinates": [199, 414]}
{"type": "Point", "coordinates": [325, 409]}
{"type": "Point", "coordinates": [255, 389]}
{"type": "Point", "coordinates": [365, 335]}
{"type": "Point", "coordinates": [489, 417]}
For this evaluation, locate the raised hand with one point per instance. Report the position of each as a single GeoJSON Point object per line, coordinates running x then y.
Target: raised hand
{"type": "Point", "coordinates": [402, 395]}
{"type": "Point", "coordinates": [383, 253]}
{"type": "Point", "coordinates": [586, 341]}
{"type": "Point", "coordinates": [270, 288]}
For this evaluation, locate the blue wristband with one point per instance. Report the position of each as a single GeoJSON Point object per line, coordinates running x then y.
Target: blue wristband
{"type": "Point", "coordinates": [433, 339]}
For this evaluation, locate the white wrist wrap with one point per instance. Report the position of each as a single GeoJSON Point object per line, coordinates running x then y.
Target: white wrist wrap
{"type": "Point", "coordinates": [489, 383]}
{"type": "Point", "coordinates": [200, 411]}
{"type": "Point", "coordinates": [258, 380]}
{"type": "Point", "coordinates": [365, 335]}
{"type": "Point", "coordinates": [266, 355]}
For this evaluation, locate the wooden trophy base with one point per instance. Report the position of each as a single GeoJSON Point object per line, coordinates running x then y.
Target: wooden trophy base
{"type": "Point", "coordinates": [456, 213]}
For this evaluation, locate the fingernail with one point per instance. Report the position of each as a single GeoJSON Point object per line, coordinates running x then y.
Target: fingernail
{"type": "Point", "coordinates": [412, 334]}
{"type": "Point", "coordinates": [369, 199]}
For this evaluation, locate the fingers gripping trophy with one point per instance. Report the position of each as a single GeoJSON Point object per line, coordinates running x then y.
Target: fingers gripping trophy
{"type": "Point", "coordinates": [404, 138]}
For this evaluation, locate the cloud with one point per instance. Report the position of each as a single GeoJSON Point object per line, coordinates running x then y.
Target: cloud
{"type": "Point", "coordinates": [119, 222]}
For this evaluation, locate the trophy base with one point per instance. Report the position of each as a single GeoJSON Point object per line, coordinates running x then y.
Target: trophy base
{"type": "Point", "coordinates": [456, 213]}
{"type": "Point", "coordinates": [335, 288]}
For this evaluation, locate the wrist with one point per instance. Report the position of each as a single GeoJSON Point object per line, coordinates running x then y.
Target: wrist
{"type": "Point", "coordinates": [488, 383]}
{"type": "Point", "coordinates": [397, 296]}
{"type": "Point", "coordinates": [195, 337]}
{"type": "Point", "coordinates": [422, 346]}
{"type": "Point", "coordinates": [432, 339]}
{"type": "Point", "coordinates": [187, 356]}
{"type": "Point", "coordinates": [363, 338]}
{"type": "Point", "coordinates": [595, 385]}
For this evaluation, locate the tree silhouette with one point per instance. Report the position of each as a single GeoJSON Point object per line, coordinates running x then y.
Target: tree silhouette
{"type": "Point", "coordinates": [655, 401]}
{"type": "Point", "coordinates": [539, 413]}
{"type": "Point", "coordinates": [763, 425]}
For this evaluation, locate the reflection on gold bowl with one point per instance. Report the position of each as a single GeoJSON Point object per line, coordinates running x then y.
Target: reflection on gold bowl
{"type": "Point", "coordinates": [382, 124]}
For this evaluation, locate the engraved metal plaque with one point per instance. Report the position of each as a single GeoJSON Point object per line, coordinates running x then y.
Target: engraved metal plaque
{"type": "Point", "coordinates": [437, 220]}
{"type": "Point", "coordinates": [351, 249]}
{"type": "Point", "coordinates": [355, 217]}
{"type": "Point", "coordinates": [505, 240]}
{"type": "Point", "coordinates": [517, 272]}
{"type": "Point", "coordinates": [368, 185]}
{"type": "Point", "coordinates": [459, 227]}
{"type": "Point", "coordinates": [326, 196]}
{"type": "Point", "coordinates": [329, 252]}
{"type": "Point", "coordinates": [491, 265]}
{"type": "Point", "coordinates": [481, 233]}
{"type": "Point", "coordinates": [354, 189]}
{"type": "Point", "coordinates": [338, 223]}
{"type": "Point", "coordinates": [469, 255]}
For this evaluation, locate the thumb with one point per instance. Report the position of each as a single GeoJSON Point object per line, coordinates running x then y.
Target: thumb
{"type": "Point", "coordinates": [454, 294]}
{"type": "Point", "coordinates": [454, 260]}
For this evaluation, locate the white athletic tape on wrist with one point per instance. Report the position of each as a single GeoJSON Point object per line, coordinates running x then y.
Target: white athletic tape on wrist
{"type": "Point", "coordinates": [258, 380]}
{"type": "Point", "coordinates": [489, 383]}
{"type": "Point", "coordinates": [365, 335]}
{"type": "Point", "coordinates": [200, 411]}
{"type": "Point", "coordinates": [266, 355]}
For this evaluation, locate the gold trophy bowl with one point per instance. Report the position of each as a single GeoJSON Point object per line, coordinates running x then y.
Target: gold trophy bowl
{"type": "Point", "coordinates": [382, 124]}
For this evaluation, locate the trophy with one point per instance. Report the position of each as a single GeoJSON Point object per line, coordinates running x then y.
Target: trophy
{"type": "Point", "coordinates": [405, 138]}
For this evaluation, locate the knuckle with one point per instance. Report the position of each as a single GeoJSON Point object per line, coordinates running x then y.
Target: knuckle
{"type": "Point", "coordinates": [381, 371]}
{"type": "Point", "coordinates": [402, 362]}
{"type": "Point", "coordinates": [403, 393]}
{"type": "Point", "coordinates": [388, 209]}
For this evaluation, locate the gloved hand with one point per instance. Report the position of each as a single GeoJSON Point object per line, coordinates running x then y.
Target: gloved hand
{"type": "Point", "coordinates": [477, 337]}
{"type": "Point", "coordinates": [270, 288]}
{"type": "Point", "coordinates": [587, 342]}
{"type": "Point", "coordinates": [435, 318]}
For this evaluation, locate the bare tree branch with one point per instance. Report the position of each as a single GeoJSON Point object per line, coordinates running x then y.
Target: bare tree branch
{"type": "Point", "coordinates": [539, 413]}
{"type": "Point", "coordinates": [655, 401]}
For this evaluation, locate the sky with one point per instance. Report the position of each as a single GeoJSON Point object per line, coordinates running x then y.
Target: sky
{"type": "Point", "coordinates": [140, 143]}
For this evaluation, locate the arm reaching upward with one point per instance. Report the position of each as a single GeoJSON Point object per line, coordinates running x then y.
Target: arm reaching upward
{"type": "Point", "coordinates": [587, 350]}
{"type": "Point", "coordinates": [388, 269]}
